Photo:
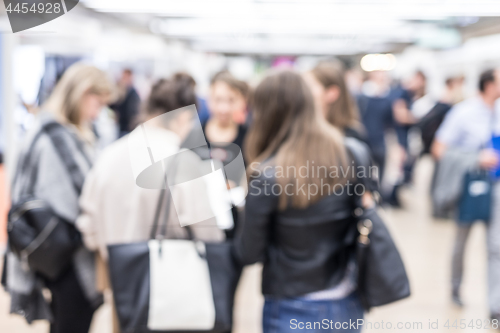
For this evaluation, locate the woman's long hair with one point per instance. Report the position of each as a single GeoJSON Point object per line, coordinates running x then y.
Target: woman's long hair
{"type": "Point", "coordinates": [287, 129]}
{"type": "Point", "coordinates": [78, 80]}
{"type": "Point", "coordinates": [342, 113]}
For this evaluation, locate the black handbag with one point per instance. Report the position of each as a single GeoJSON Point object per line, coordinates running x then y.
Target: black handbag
{"type": "Point", "coordinates": [131, 274]}
{"type": "Point", "coordinates": [382, 277]}
{"type": "Point", "coordinates": [43, 241]}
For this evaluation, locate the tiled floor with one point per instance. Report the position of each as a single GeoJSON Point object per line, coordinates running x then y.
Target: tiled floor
{"type": "Point", "coordinates": [426, 248]}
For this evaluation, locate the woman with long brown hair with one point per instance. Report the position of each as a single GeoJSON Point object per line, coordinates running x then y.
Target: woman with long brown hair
{"type": "Point", "coordinates": [298, 210]}
{"type": "Point", "coordinates": [333, 100]}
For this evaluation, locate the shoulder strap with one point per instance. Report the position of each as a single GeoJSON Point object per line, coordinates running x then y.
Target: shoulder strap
{"type": "Point", "coordinates": [170, 172]}
{"type": "Point", "coordinates": [162, 232]}
{"type": "Point", "coordinates": [26, 161]}
{"type": "Point", "coordinates": [358, 151]}
{"type": "Point", "coordinates": [58, 138]}
{"type": "Point", "coordinates": [53, 130]}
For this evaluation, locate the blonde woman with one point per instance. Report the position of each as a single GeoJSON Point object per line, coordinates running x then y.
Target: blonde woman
{"type": "Point", "coordinates": [43, 173]}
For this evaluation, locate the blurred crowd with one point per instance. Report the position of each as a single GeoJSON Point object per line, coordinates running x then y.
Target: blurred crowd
{"type": "Point", "coordinates": [325, 116]}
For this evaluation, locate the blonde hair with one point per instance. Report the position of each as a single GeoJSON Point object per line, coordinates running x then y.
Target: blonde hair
{"type": "Point", "coordinates": [78, 80]}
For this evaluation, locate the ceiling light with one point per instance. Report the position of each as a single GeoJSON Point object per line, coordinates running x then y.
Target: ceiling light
{"type": "Point", "coordinates": [378, 62]}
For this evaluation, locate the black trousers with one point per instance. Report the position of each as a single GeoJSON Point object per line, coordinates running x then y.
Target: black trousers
{"type": "Point", "coordinates": [72, 311]}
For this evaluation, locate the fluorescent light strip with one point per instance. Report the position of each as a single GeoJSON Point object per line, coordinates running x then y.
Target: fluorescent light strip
{"type": "Point", "coordinates": [290, 47]}
{"type": "Point", "coordinates": [210, 27]}
{"type": "Point", "coordinates": [244, 8]}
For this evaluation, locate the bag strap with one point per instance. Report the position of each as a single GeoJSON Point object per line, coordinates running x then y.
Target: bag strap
{"type": "Point", "coordinates": [67, 156]}
{"type": "Point", "coordinates": [162, 233]}
{"type": "Point", "coordinates": [156, 222]}
{"type": "Point", "coordinates": [24, 163]}
{"type": "Point", "coordinates": [54, 131]}
{"type": "Point", "coordinates": [355, 148]}
{"type": "Point", "coordinates": [154, 228]}
{"type": "Point", "coordinates": [362, 158]}
{"type": "Point", "coordinates": [363, 226]}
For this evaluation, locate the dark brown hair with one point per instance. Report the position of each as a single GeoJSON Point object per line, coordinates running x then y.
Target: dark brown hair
{"type": "Point", "coordinates": [486, 77]}
{"type": "Point", "coordinates": [171, 94]}
{"type": "Point", "coordinates": [342, 113]}
{"type": "Point", "coordinates": [288, 130]}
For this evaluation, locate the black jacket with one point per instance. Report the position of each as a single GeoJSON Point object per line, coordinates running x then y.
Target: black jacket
{"type": "Point", "coordinates": [303, 250]}
{"type": "Point", "coordinates": [127, 110]}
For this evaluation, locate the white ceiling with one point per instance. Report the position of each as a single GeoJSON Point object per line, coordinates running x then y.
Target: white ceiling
{"type": "Point", "coordinates": [305, 26]}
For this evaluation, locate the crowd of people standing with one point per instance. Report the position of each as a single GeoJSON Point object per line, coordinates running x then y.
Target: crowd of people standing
{"type": "Point", "coordinates": [290, 120]}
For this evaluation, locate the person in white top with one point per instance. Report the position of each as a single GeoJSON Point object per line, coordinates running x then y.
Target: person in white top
{"type": "Point", "coordinates": [114, 209]}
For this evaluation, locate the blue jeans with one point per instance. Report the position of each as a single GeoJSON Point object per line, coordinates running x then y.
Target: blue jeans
{"type": "Point", "coordinates": [282, 315]}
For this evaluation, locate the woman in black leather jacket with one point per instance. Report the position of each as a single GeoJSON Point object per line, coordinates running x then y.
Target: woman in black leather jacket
{"type": "Point", "coordinates": [298, 214]}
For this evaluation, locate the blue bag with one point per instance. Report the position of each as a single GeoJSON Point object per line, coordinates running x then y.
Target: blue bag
{"type": "Point", "coordinates": [495, 143]}
{"type": "Point", "coordinates": [475, 203]}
